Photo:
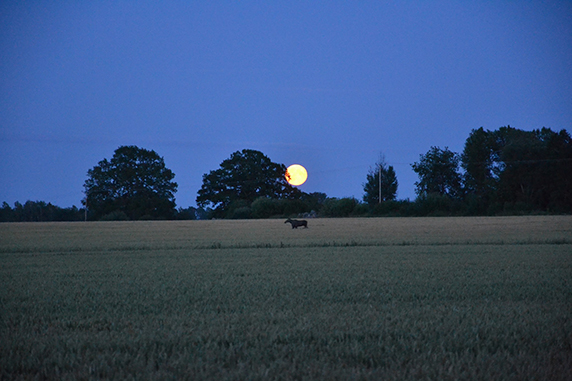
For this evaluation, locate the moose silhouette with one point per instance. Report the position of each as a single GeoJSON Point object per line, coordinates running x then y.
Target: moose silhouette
{"type": "Point", "coordinates": [296, 223]}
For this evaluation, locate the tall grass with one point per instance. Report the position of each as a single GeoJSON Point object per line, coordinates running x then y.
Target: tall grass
{"type": "Point", "coordinates": [211, 300]}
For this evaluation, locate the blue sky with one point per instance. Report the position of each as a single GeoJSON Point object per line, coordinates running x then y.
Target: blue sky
{"type": "Point", "coordinates": [330, 85]}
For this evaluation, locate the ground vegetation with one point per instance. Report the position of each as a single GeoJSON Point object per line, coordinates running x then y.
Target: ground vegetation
{"type": "Point", "coordinates": [241, 179]}
{"type": "Point", "coordinates": [361, 298]}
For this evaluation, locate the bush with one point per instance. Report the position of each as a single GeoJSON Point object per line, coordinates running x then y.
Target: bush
{"type": "Point", "coordinates": [437, 205]}
{"type": "Point", "coordinates": [189, 213]}
{"type": "Point", "coordinates": [264, 207]}
{"type": "Point", "coordinates": [242, 213]}
{"type": "Point", "coordinates": [230, 211]}
{"type": "Point", "coordinates": [116, 215]}
{"type": "Point", "coordinates": [342, 207]}
{"type": "Point", "coordinates": [294, 207]}
{"type": "Point", "coordinates": [360, 209]}
{"type": "Point", "coordinates": [393, 208]}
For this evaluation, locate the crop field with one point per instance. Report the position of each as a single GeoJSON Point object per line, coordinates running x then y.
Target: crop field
{"type": "Point", "coordinates": [364, 298]}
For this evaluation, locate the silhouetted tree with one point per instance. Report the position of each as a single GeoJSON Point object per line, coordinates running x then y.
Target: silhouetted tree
{"type": "Point", "coordinates": [478, 160]}
{"type": "Point", "coordinates": [37, 211]}
{"type": "Point", "coordinates": [388, 183]}
{"type": "Point", "coordinates": [241, 179]}
{"type": "Point", "coordinates": [134, 182]}
{"type": "Point", "coordinates": [513, 167]}
{"type": "Point", "coordinates": [6, 213]}
{"type": "Point", "coordinates": [438, 172]}
{"type": "Point", "coordinates": [557, 169]}
{"type": "Point", "coordinates": [536, 167]}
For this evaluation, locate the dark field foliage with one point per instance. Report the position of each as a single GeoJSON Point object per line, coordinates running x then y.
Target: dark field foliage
{"type": "Point", "coordinates": [481, 298]}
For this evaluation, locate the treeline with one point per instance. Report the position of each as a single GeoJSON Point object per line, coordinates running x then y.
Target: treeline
{"type": "Point", "coordinates": [433, 205]}
{"type": "Point", "coordinates": [505, 171]}
{"type": "Point", "coordinates": [502, 172]}
{"type": "Point", "coordinates": [38, 211]}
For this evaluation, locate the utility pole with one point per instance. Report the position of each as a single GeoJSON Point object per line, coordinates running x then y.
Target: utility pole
{"type": "Point", "coordinates": [379, 183]}
{"type": "Point", "coordinates": [85, 212]}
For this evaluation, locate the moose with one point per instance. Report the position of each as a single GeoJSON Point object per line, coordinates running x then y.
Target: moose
{"type": "Point", "coordinates": [296, 223]}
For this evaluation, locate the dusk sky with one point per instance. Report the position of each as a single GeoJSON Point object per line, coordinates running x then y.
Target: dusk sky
{"type": "Point", "coordinates": [329, 85]}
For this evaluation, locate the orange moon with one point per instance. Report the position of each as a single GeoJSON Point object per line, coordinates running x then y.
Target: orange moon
{"type": "Point", "coordinates": [296, 174]}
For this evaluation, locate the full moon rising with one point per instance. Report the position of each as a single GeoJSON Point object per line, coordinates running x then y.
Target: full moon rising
{"type": "Point", "coordinates": [296, 174]}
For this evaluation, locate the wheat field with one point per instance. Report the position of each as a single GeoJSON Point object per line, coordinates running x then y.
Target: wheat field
{"type": "Point", "coordinates": [378, 298]}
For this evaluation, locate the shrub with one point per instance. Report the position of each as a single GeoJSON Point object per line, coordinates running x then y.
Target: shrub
{"type": "Point", "coordinates": [437, 205]}
{"type": "Point", "coordinates": [393, 208]}
{"type": "Point", "coordinates": [264, 207]}
{"type": "Point", "coordinates": [116, 215]}
{"type": "Point", "coordinates": [241, 213]}
{"type": "Point", "coordinates": [361, 209]}
{"type": "Point", "coordinates": [295, 207]}
{"type": "Point", "coordinates": [340, 207]}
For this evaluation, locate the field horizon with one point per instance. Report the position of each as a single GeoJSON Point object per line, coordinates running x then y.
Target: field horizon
{"type": "Point", "coordinates": [352, 298]}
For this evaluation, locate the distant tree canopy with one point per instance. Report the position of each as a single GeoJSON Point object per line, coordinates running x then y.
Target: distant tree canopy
{"type": "Point", "coordinates": [531, 169]}
{"type": "Point", "coordinates": [246, 176]}
{"type": "Point", "coordinates": [388, 183]}
{"type": "Point", "coordinates": [39, 211]}
{"type": "Point", "coordinates": [438, 172]}
{"type": "Point", "coordinates": [505, 171]}
{"type": "Point", "coordinates": [134, 184]}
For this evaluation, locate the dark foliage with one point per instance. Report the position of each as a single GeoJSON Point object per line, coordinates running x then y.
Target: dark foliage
{"type": "Point", "coordinates": [189, 213]}
{"type": "Point", "coordinates": [388, 184]}
{"type": "Point", "coordinates": [246, 176]}
{"type": "Point", "coordinates": [438, 172]}
{"type": "Point", "coordinates": [39, 211]}
{"type": "Point", "coordinates": [314, 201]}
{"type": "Point", "coordinates": [511, 169]}
{"type": "Point", "coordinates": [135, 182]}
{"type": "Point", "coordinates": [343, 207]}
{"type": "Point", "coordinates": [505, 172]}
{"type": "Point", "coordinates": [265, 207]}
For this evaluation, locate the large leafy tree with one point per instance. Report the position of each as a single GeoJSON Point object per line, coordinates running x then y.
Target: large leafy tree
{"type": "Point", "coordinates": [556, 170]}
{"type": "Point", "coordinates": [520, 157]}
{"type": "Point", "coordinates": [388, 183]}
{"type": "Point", "coordinates": [438, 172]}
{"type": "Point", "coordinates": [241, 179]}
{"type": "Point", "coordinates": [512, 166]}
{"type": "Point", "coordinates": [135, 183]}
{"type": "Point", "coordinates": [479, 160]}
